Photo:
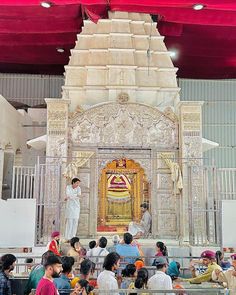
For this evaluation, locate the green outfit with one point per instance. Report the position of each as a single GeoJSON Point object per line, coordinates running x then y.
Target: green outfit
{"type": "Point", "coordinates": [35, 276]}
{"type": "Point", "coordinates": [206, 276]}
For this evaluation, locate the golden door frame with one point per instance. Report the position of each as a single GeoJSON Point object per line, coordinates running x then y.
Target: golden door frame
{"type": "Point", "coordinates": [123, 166]}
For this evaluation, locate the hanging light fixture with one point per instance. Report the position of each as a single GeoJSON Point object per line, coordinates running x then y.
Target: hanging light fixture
{"type": "Point", "coordinates": [60, 50]}
{"type": "Point", "coordinates": [198, 6]}
{"type": "Point", "coordinates": [45, 4]}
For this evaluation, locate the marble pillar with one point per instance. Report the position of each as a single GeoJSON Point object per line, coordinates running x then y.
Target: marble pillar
{"type": "Point", "coordinates": [57, 146]}
{"type": "Point", "coordinates": [1, 168]}
{"type": "Point", "coordinates": [193, 227]}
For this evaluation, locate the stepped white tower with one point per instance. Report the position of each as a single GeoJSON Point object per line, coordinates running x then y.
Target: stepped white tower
{"type": "Point", "coordinates": [124, 53]}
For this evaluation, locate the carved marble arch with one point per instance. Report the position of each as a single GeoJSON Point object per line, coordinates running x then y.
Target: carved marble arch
{"type": "Point", "coordinates": [123, 186]}
{"type": "Point", "coordinates": [128, 124]}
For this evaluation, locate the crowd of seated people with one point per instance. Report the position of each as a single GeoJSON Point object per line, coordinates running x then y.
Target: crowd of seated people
{"type": "Point", "coordinates": [122, 268]}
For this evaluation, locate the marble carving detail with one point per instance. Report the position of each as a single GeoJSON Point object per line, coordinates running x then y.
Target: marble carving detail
{"type": "Point", "coordinates": [124, 124]}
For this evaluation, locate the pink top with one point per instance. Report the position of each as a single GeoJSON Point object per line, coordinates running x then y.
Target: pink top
{"type": "Point", "coordinates": [159, 254]}
{"type": "Point", "coordinates": [46, 287]}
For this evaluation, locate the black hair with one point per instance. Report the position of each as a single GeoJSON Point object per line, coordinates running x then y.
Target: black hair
{"type": "Point", "coordinates": [142, 278]}
{"type": "Point", "coordinates": [67, 263]}
{"type": "Point", "coordinates": [51, 260]}
{"type": "Point", "coordinates": [73, 241]}
{"type": "Point", "coordinates": [86, 266]}
{"type": "Point", "coordinates": [128, 238]}
{"type": "Point", "coordinates": [45, 256]}
{"type": "Point", "coordinates": [29, 260]}
{"type": "Point", "coordinates": [6, 261]}
{"type": "Point", "coordinates": [110, 260]}
{"type": "Point", "coordinates": [92, 244]}
{"type": "Point", "coordinates": [85, 284]}
{"type": "Point", "coordinates": [74, 180]}
{"type": "Point", "coordinates": [160, 266]}
{"type": "Point", "coordinates": [144, 205]}
{"type": "Point", "coordinates": [218, 257]}
{"type": "Point", "coordinates": [129, 270]}
{"type": "Point", "coordinates": [102, 242]}
{"type": "Point", "coordinates": [163, 248]}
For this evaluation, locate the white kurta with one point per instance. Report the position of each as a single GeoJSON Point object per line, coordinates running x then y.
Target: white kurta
{"type": "Point", "coordinates": [73, 202]}
{"type": "Point", "coordinates": [72, 211]}
{"type": "Point", "coordinates": [146, 222]}
{"type": "Point", "coordinates": [144, 226]}
{"type": "Point", "coordinates": [106, 281]}
{"type": "Point", "coordinates": [160, 281]}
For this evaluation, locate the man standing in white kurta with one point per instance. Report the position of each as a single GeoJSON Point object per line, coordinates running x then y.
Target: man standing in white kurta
{"type": "Point", "coordinates": [72, 212]}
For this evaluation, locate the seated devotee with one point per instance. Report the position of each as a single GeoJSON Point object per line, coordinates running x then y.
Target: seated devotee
{"type": "Point", "coordinates": [220, 261]}
{"type": "Point", "coordinates": [86, 270]}
{"type": "Point", "coordinates": [141, 280]}
{"type": "Point", "coordinates": [160, 281]}
{"type": "Point", "coordinates": [136, 243]}
{"type": "Point", "coordinates": [63, 282]}
{"type": "Point", "coordinates": [144, 227]}
{"type": "Point", "coordinates": [7, 264]}
{"type": "Point", "coordinates": [228, 277]}
{"type": "Point", "coordinates": [99, 251]}
{"type": "Point", "coordinates": [74, 247]}
{"type": "Point", "coordinates": [92, 244]}
{"type": "Point", "coordinates": [115, 241]}
{"type": "Point", "coordinates": [139, 263]}
{"type": "Point", "coordinates": [173, 270]}
{"type": "Point", "coordinates": [53, 268]}
{"type": "Point", "coordinates": [161, 251]}
{"type": "Point", "coordinates": [106, 279]}
{"type": "Point", "coordinates": [37, 273]}
{"type": "Point", "coordinates": [75, 250]}
{"type": "Point", "coordinates": [82, 288]}
{"type": "Point", "coordinates": [126, 250]}
{"type": "Point", "coordinates": [208, 259]}
{"type": "Point", "coordinates": [54, 244]}
{"type": "Point", "coordinates": [129, 274]}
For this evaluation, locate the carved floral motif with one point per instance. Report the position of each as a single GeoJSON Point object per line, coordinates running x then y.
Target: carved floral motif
{"type": "Point", "coordinates": [129, 124]}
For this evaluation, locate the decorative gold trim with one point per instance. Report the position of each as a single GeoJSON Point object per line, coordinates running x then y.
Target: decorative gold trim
{"type": "Point", "coordinates": [131, 167]}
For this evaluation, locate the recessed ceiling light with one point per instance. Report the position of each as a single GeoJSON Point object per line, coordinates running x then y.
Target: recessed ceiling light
{"type": "Point", "coordinates": [198, 6]}
{"type": "Point", "coordinates": [46, 4]}
{"type": "Point", "coordinates": [61, 50]}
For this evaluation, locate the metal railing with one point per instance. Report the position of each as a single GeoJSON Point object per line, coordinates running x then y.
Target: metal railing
{"type": "Point", "coordinates": [205, 196]}
{"type": "Point", "coordinates": [22, 267]}
{"type": "Point", "coordinates": [184, 291]}
{"type": "Point", "coordinates": [23, 182]}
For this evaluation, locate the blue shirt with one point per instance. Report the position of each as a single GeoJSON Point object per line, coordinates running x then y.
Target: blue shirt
{"type": "Point", "coordinates": [125, 250]}
{"type": "Point", "coordinates": [62, 283]}
{"type": "Point", "coordinates": [5, 286]}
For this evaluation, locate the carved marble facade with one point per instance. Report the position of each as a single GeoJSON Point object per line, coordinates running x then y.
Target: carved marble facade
{"type": "Point", "coordinates": [129, 124]}
{"type": "Point", "coordinates": [120, 102]}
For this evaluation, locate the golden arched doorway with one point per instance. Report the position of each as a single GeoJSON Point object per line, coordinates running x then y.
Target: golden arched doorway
{"type": "Point", "coordinates": [122, 189]}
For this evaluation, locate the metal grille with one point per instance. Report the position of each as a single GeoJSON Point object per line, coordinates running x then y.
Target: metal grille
{"type": "Point", "coordinates": [23, 182]}
{"type": "Point", "coordinates": [48, 195]}
{"type": "Point", "coordinates": [205, 208]}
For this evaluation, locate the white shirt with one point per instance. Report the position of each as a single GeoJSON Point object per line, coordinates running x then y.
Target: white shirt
{"type": "Point", "coordinates": [106, 281]}
{"type": "Point", "coordinates": [98, 251]}
{"type": "Point", "coordinates": [160, 281]}
{"type": "Point", "coordinates": [73, 203]}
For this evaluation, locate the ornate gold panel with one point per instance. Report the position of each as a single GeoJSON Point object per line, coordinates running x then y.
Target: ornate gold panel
{"type": "Point", "coordinates": [126, 206]}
